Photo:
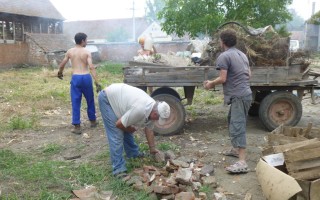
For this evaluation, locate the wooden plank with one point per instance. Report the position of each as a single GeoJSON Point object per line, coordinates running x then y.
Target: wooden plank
{"type": "Point", "coordinates": [302, 154]}
{"type": "Point", "coordinates": [278, 130]}
{"type": "Point", "coordinates": [306, 175]}
{"type": "Point", "coordinates": [262, 76]}
{"type": "Point", "coordinates": [308, 130]}
{"type": "Point", "coordinates": [303, 165]}
{"type": "Point", "coordinates": [287, 131]}
{"type": "Point", "coordinates": [315, 190]}
{"type": "Point", "coordinates": [267, 151]}
{"type": "Point", "coordinates": [277, 139]}
{"type": "Point", "coordinates": [292, 146]}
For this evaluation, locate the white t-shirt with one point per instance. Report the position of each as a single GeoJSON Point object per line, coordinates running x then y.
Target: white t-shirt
{"type": "Point", "coordinates": [132, 104]}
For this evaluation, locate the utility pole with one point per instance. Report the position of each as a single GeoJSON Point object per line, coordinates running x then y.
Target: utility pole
{"type": "Point", "coordinates": [133, 23]}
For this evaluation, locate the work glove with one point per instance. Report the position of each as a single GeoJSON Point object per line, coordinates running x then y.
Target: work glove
{"type": "Point", "coordinates": [60, 75]}
{"type": "Point", "coordinates": [98, 87]}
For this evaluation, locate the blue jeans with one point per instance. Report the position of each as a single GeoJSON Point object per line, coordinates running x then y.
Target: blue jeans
{"type": "Point", "coordinates": [118, 139]}
{"type": "Point", "coordinates": [237, 120]}
{"type": "Point", "coordinates": [82, 84]}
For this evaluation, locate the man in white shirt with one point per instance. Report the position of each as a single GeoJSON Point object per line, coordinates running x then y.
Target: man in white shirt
{"type": "Point", "coordinates": [124, 109]}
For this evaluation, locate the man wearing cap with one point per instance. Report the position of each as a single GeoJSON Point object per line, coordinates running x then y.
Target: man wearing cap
{"type": "Point", "coordinates": [124, 109]}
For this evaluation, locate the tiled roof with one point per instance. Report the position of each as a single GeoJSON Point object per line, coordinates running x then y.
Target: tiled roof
{"type": "Point", "coordinates": [34, 8]}
{"type": "Point", "coordinates": [51, 42]}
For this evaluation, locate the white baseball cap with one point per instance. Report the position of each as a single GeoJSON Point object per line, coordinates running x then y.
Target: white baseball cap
{"type": "Point", "coordinates": [164, 112]}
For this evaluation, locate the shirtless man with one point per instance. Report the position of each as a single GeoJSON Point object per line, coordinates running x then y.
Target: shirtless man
{"type": "Point", "coordinates": [147, 49]}
{"type": "Point", "coordinates": [81, 81]}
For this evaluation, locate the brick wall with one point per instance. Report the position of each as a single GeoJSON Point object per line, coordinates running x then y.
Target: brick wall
{"type": "Point", "coordinates": [13, 54]}
{"type": "Point", "coordinates": [36, 55]}
{"type": "Point", "coordinates": [30, 53]}
{"type": "Point", "coordinates": [124, 52]}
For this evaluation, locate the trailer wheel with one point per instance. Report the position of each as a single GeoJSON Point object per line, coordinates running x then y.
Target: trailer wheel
{"type": "Point", "coordinates": [177, 115]}
{"type": "Point", "coordinates": [255, 106]}
{"type": "Point", "coordinates": [280, 108]}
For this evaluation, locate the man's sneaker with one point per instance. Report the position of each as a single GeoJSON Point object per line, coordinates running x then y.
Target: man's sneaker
{"type": "Point", "coordinates": [93, 124]}
{"type": "Point", "coordinates": [76, 129]}
{"type": "Point", "coordinates": [238, 167]}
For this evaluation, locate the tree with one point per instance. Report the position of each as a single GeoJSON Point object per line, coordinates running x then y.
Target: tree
{"type": "Point", "coordinates": [297, 22]}
{"type": "Point", "coordinates": [153, 8]}
{"type": "Point", "coordinates": [196, 17]}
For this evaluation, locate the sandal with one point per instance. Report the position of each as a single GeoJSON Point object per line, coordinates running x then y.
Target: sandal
{"type": "Point", "coordinates": [232, 152]}
{"type": "Point", "coordinates": [238, 167]}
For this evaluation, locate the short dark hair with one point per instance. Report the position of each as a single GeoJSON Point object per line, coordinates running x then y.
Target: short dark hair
{"type": "Point", "coordinates": [79, 37]}
{"type": "Point", "coordinates": [229, 37]}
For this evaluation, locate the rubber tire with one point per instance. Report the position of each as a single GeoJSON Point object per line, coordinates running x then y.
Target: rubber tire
{"type": "Point", "coordinates": [165, 90]}
{"type": "Point", "coordinates": [255, 106]}
{"type": "Point", "coordinates": [177, 117]}
{"type": "Point", "coordinates": [271, 100]}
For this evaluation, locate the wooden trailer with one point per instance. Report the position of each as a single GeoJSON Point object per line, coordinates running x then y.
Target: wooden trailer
{"type": "Point", "coordinates": [272, 87]}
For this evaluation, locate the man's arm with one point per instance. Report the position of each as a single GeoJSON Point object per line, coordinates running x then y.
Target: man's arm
{"type": "Point", "coordinates": [220, 80]}
{"type": "Point", "coordinates": [92, 68]}
{"type": "Point", "coordinates": [129, 129]}
{"type": "Point", "coordinates": [63, 64]}
{"type": "Point", "coordinates": [93, 73]}
{"type": "Point", "coordinates": [150, 139]}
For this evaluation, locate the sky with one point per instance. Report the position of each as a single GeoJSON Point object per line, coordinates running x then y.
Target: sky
{"type": "Point", "coordinates": [74, 10]}
{"type": "Point", "coordinates": [304, 7]}
{"type": "Point", "coordinates": [106, 9]}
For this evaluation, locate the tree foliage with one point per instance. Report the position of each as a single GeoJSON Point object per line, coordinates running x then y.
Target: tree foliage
{"type": "Point", "coordinates": [153, 8]}
{"type": "Point", "coordinates": [196, 17]}
{"type": "Point", "coordinates": [315, 19]}
{"type": "Point", "coordinates": [297, 22]}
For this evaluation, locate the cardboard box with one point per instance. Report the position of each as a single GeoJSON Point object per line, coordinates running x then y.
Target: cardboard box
{"type": "Point", "coordinates": [277, 185]}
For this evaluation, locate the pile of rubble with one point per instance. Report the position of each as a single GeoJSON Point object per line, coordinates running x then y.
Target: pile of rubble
{"type": "Point", "coordinates": [263, 47]}
{"type": "Point", "coordinates": [290, 166]}
{"type": "Point", "coordinates": [180, 179]}
{"type": "Point", "coordinates": [300, 149]}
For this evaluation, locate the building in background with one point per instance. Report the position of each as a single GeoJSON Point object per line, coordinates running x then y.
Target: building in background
{"type": "Point", "coordinates": [31, 33]}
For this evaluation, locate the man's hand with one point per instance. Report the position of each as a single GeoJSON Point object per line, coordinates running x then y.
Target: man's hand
{"type": "Point", "coordinates": [159, 157]}
{"type": "Point", "coordinates": [153, 150]}
{"type": "Point", "coordinates": [208, 85]}
{"type": "Point", "coordinates": [60, 75]}
{"type": "Point", "coordinates": [98, 87]}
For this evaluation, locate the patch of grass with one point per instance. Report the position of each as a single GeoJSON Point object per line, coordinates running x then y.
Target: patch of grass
{"type": "Point", "coordinates": [112, 68]}
{"type": "Point", "coordinates": [192, 110]}
{"type": "Point", "coordinates": [20, 123]}
{"type": "Point", "coordinates": [41, 178]}
{"type": "Point", "coordinates": [143, 147]}
{"type": "Point", "coordinates": [213, 101]}
{"type": "Point", "coordinates": [51, 149]}
{"type": "Point", "coordinates": [165, 146]}
{"type": "Point", "coordinates": [208, 190]}
{"type": "Point", "coordinates": [59, 94]}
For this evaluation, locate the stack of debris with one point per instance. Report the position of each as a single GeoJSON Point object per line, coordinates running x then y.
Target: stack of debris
{"type": "Point", "coordinates": [295, 151]}
{"type": "Point", "coordinates": [169, 59]}
{"type": "Point", "coordinates": [263, 47]}
{"type": "Point", "coordinates": [180, 179]}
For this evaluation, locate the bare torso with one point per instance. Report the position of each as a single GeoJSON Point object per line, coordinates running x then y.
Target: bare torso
{"type": "Point", "coordinates": [79, 60]}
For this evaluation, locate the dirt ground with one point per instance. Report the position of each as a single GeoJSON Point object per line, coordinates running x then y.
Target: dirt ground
{"type": "Point", "coordinates": [202, 139]}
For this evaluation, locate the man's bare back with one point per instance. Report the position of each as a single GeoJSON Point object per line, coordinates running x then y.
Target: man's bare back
{"type": "Point", "coordinates": [80, 59]}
